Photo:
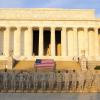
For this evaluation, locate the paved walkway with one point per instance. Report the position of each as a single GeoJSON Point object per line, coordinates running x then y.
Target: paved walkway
{"type": "Point", "coordinates": [50, 96]}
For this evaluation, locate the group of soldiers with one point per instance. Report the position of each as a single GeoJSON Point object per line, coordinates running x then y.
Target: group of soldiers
{"type": "Point", "coordinates": [68, 80]}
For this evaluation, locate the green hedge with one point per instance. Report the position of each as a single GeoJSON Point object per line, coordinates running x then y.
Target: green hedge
{"type": "Point", "coordinates": [97, 67]}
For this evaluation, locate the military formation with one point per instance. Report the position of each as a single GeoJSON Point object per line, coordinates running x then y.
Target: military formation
{"type": "Point", "coordinates": [67, 80]}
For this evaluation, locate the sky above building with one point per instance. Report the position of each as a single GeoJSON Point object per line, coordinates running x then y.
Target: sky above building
{"type": "Point", "coordinates": [66, 4]}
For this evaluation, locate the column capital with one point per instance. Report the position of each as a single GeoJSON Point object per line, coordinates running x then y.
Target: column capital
{"type": "Point", "coordinates": [85, 28]}
{"type": "Point", "coordinates": [53, 28]}
{"type": "Point", "coordinates": [64, 28]}
{"type": "Point", "coordinates": [75, 28]}
{"type": "Point", "coordinates": [41, 28]}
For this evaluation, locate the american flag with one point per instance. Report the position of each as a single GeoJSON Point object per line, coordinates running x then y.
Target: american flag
{"type": "Point", "coordinates": [44, 63]}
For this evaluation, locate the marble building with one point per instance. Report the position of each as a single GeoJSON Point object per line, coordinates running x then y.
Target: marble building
{"type": "Point", "coordinates": [58, 34]}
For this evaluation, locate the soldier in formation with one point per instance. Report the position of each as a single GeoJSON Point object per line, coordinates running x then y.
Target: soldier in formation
{"type": "Point", "coordinates": [13, 80]}
{"type": "Point", "coordinates": [35, 80]}
{"type": "Point", "coordinates": [66, 80]}
{"type": "Point", "coordinates": [43, 81]}
{"type": "Point", "coordinates": [5, 79]}
{"type": "Point", "coordinates": [73, 80]}
{"type": "Point", "coordinates": [88, 79]}
{"type": "Point", "coordinates": [59, 79]}
{"type": "Point", "coordinates": [21, 80]}
{"type": "Point", "coordinates": [96, 80]}
{"type": "Point", "coordinates": [80, 79]}
{"type": "Point", "coordinates": [51, 79]}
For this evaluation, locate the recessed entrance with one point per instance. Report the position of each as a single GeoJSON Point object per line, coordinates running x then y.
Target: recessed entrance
{"type": "Point", "coordinates": [35, 42]}
{"type": "Point", "coordinates": [46, 42]}
{"type": "Point", "coordinates": [58, 42]}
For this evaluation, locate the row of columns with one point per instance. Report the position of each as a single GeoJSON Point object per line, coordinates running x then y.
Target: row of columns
{"type": "Point", "coordinates": [28, 39]}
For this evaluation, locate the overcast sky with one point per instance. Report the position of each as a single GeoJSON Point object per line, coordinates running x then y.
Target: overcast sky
{"type": "Point", "coordinates": [68, 4]}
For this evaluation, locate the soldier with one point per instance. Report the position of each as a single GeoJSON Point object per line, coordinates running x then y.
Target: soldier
{"type": "Point", "coordinates": [5, 79]}
{"type": "Point", "coordinates": [35, 79]}
{"type": "Point", "coordinates": [43, 80]}
{"type": "Point", "coordinates": [81, 80]}
{"type": "Point", "coordinates": [31, 80]}
{"type": "Point", "coordinates": [51, 79]}
{"type": "Point", "coordinates": [17, 81]}
{"type": "Point", "coordinates": [66, 80]}
{"type": "Point", "coordinates": [13, 80]}
{"type": "Point", "coordinates": [59, 79]}
{"type": "Point", "coordinates": [21, 80]}
{"type": "Point", "coordinates": [1, 80]}
{"type": "Point", "coordinates": [88, 79]}
{"type": "Point", "coordinates": [97, 80]}
{"type": "Point", "coordinates": [74, 80]}
{"type": "Point", "coordinates": [28, 84]}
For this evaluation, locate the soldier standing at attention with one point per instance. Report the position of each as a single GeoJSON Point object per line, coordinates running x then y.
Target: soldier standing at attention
{"type": "Point", "coordinates": [74, 80]}
{"type": "Point", "coordinates": [1, 80]}
{"type": "Point", "coordinates": [59, 79]}
{"type": "Point", "coordinates": [43, 80]}
{"type": "Point", "coordinates": [88, 79]}
{"type": "Point", "coordinates": [51, 80]}
{"type": "Point", "coordinates": [97, 81]}
{"type": "Point", "coordinates": [36, 76]}
{"type": "Point", "coordinates": [66, 80]}
{"type": "Point", "coordinates": [28, 84]}
{"type": "Point", "coordinates": [13, 80]}
{"type": "Point", "coordinates": [21, 80]}
{"type": "Point", "coordinates": [81, 79]}
{"type": "Point", "coordinates": [5, 79]}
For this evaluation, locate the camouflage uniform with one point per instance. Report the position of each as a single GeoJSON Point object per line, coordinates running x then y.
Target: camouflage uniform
{"type": "Point", "coordinates": [5, 79]}
{"type": "Point", "coordinates": [74, 80]}
{"type": "Point", "coordinates": [97, 80]}
{"type": "Point", "coordinates": [43, 80]}
{"type": "Point", "coordinates": [59, 79]}
{"type": "Point", "coordinates": [1, 80]}
{"type": "Point", "coordinates": [13, 80]}
{"type": "Point", "coordinates": [51, 80]}
{"type": "Point", "coordinates": [66, 80]}
{"type": "Point", "coordinates": [80, 79]}
{"type": "Point", "coordinates": [21, 80]}
{"type": "Point", "coordinates": [35, 77]}
{"type": "Point", "coordinates": [88, 79]}
{"type": "Point", "coordinates": [28, 84]}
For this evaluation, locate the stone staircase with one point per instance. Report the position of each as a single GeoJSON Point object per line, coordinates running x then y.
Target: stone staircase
{"type": "Point", "coordinates": [64, 65]}
{"type": "Point", "coordinates": [24, 65]}
{"type": "Point", "coordinates": [93, 64]}
{"type": "Point", "coordinates": [60, 65]}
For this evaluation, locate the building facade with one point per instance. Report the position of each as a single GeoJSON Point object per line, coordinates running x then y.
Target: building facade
{"type": "Point", "coordinates": [59, 34]}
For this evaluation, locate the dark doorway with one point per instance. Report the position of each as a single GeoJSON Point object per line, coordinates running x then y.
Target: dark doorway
{"type": "Point", "coordinates": [58, 42]}
{"type": "Point", "coordinates": [46, 42]}
{"type": "Point", "coordinates": [35, 42]}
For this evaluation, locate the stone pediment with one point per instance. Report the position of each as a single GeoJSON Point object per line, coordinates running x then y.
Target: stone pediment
{"type": "Point", "coordinates": [46, 14]}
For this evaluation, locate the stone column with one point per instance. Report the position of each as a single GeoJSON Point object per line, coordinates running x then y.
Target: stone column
{"type": "Point", "coordinates": [76, 51]}
{"type": "Point", "coordinates": [96, 42]}
{"type": "Point", "coordinates": [7, 41]}
{"type": "Point", "coordinates": [40, 41]}
{"type": "Point", "coordinates": [52, 41]}
{"type": "Point", "coordinates": [86, 41]}
{"type": "Point", "coordinates": [28, 42]}
{"type": "Point", "coordinates": [63, 41]}
{"type": "Point", "coordinates": [17, 40]}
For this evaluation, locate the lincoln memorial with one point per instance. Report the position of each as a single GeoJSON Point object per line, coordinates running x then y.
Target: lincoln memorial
{"type": "Point", "coordinates": [58, 34]}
